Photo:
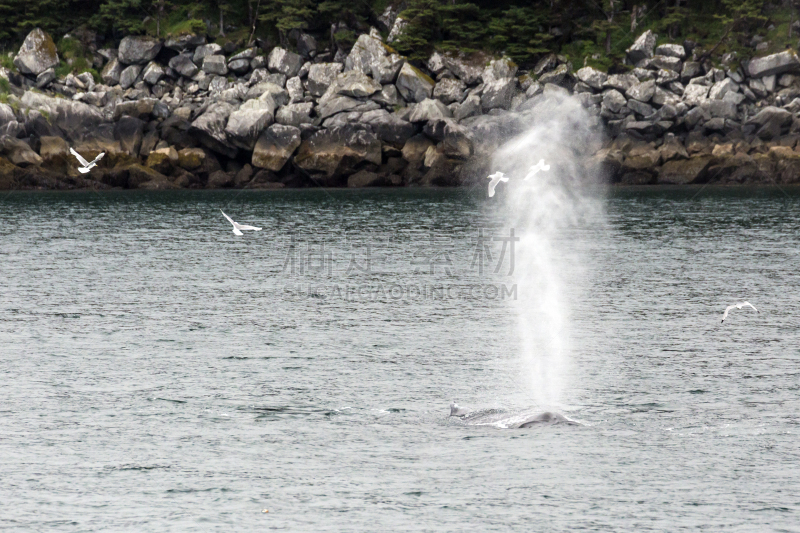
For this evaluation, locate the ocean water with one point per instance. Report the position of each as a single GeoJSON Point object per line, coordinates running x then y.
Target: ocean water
{"type": "Point", "coordinates": [158, 373]}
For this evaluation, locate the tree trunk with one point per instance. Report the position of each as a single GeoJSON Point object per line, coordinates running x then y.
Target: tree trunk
{"type": "Point", "coordinates": [608, 42]}
{"type": "Point", "coordinates": [221, 23]}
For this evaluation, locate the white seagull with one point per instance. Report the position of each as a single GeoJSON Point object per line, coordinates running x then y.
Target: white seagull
{"type": "Point", "coordinates": [536, 168]}
{"type": "Point", "coordinates": [238, 227]}
{"type": "Point", "coordinates": [86, 166]}
{"type": "Point", "coordinates": [496, 178]}
{"type": "Point", "coordinates": [737, 306]}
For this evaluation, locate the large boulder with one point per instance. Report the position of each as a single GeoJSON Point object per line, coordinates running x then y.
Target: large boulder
{"type": "Point", "coordinates": [183, 65]}
{"type": "Point", "coordinates": [320, 77]}
{"type": "Point", "coordinates": [129, 132]}
{"type": "Point", "coordinates": [191, 158]}
{"type": "Point", "coordinates": [337, 104]}
{"type": "Point", "coordinates": [413, 84]}
{"type": "Point", "coordinates": [642, 48]}
{"type": "Point", "coordinates": [335, 152]}
{"type": "Point", "coordinates": [388, 127]}
{"type": "Point", "coordinates": [275, 146]}
{"type": "Point", "coordinates": [76, 119]}
{"type": "Point", "coordinates": [295, 114]}
{"type": "Point", "coordinates": [450, 90]}
{"type": "Point", "coordinates": [184, 42]}
{"type": "Point", "coordinates": [205, 50]}
{"type": "Point", "coordinates": [467, 71]}
{"type": "Point", "coordinates": [246, 123]}
{"type": "Point", "coordinates": [19, 152]}
{"type": "Point", "coordinates": [129, 76]}
{"type": "Point", "coordinates": [786, 61]}
{"type": "Point", "coordinates": [111, 72]}
{"type": "Point", "coordinates": [592, 77]}
{"type": "Point", "coordinates": [370, 56]}
{"type": "Point", "coordinates": [285, 62]}
{"type": "Point", "coordinates": [278, 94]}
{"type": "Point", "coordinates": [429, 109]}
{"type": "Point", "coordinates": [771, 121]}
{"type": "Point", "coordinates": [215, 64]}
{"type": "Point", "coordinates": [498, 93]}
{"type": "Point", "coordinates": [37, 53]}
{"type": "Point", "coordinates": [138, 49]}
{"type": "Point", "coordinates": [683, 171]}
{"type": "Point", "coordinates": [152, 73]}
{"type": "Point", "coordinates": [209, 128]}
{"type": "Point", "coordinates": [354, 83]}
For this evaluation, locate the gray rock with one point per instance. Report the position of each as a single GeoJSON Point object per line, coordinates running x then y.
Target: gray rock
{"type": "Point", "coordinates": [258, 62]}
{"type": "Point", "coordinates": [499, 69]}
{"type": "Point", "coordinates": [215, 64]}
{"type": "Point", "coordinates": [141, 108]}
{"type": "Point", "coordinates": [248, 54]}
{"type": "Point", "coordinates": [466, 71]}
{"type": "Point", "coordinates": [294, 87]}
{"type": "Point", "coordinates": [285, 62]}
{"type": "Point", "coordinates": [388, 127]}
{"type": "Point", "coordinates": [613, 101]}
{"type": "Point", "coordinates": [666, 76]}
{"type": "Point", "coordinates": [388, 96]}
{"type": "Point", "coordinates": [436, 63]}
{"type": "Point", "coordinates": [695, 94]}
{"type": "Point", "coordinates": [217, 84]}
{"type": "Point", "coordinates": [129, 76]}
{"type": "Point", "coordinates": [690, 69]}
{"type": "Point", "coordinates": [555, 76]}
{"type": "Point", "coordinates": [429, 109]}
{"type": "Point", "coordinates": [641, 108]}
{"type": "Point", "coordinates": [74, 118]}
{"type": "Point", "coordinates": [295, 114]}
{"type": "Point", "coordinates": [337, 104]}
{"type": "Point", "coordinates": [129, 132]}
{"type": "Point", "coordinates": [397, 29]}
{"type": "Point", "coordinates": [239, 66]}
{"type": "Point", "coordinates": [275, 146]}
{"type": "Point", "coordinates": [370, 56]}
{"type": "Point", "coordinates": [592, 77]}
{"type": "Point", "coordinates": [183, 65]}
{"type": "Point", "coordinates": [205, 50]}
{"type": "Point", "coordinates": [19, 152]}
{"type": "Point", "coordinates": [720, 109]}
{"type": "Point", "coordinates": [246, 123]}
{"type": "Point", "coordinates": [642, 91]}
{"type": "Point", "coordinates": [720, 89]}
{"type": "Point", "coordinates": [413, 85]}
{"type": "Point", "coordinates": [642, 48]}
{"type": "Point", "coordinates": [469, 108]}
{"type": "Point", "coordinates": [498, 93]}
{"type": "Point", "coordinates": [666, 62]}
{"type": "Point", "coordinates": [111, 72]}
{"type": "Point", "coordinates": [450, 90]}
{"type": "Point", "coordinates": [643, 74]}
{"type": "Point", "coordinates": [535, 89]}
{"type": "Point", "coordinates": [771, 121]}
{"type": "Point", "coordinates": [209, 128]}
{"type": "Point", "coordinates": [321, 75]}
{"type": "Point", "coordinates": [138, 49]}
{"type": "Point", "coordinates": [45, 78]}
{"type": "Point", "coordinates": [37, 53]}
{"type": "Point", "coordinates": [780, 63]}
{"type": "Point", "coordinates": [621, 82]}
{"type": "Point", "coordinates": [671, 50]}
{"type": "Point", "coordinates": [354, 83]}
{"type": "Point", "coordinates": [769, 83]}
{"type": "Point", "coordinates": [335, 152]}
{"type": "Point", "coordinates": [152, 73]}
{"type": "Point", "coordinates": [184, 42]}
{"type": "Point", "coordinates": [306, 45]}
{"type": "Point", "coordinates": [758, 88]}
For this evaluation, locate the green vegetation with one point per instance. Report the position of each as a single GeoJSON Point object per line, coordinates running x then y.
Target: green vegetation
{"type": "Point", "coordinates": [588, 32]}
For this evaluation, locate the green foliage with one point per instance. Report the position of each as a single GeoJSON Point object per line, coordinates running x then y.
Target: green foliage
{"type": "Point", "coordinates": [516, 33]}
{"type": "Point", "coordinates": [287, 15]}
{"type": "Point", "coordinates": [7, 63]}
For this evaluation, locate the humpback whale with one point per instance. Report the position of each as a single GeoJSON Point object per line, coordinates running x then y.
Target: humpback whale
{"type": "Point", "coordinates": [507, 420]}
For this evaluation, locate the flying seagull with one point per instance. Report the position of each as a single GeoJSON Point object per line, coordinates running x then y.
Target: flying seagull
{"type": "Point", "coordinates": [536, 168]}
{"type": "Point", "coordinates": [496, 178]}
{"type": "Point", "coordinates": [737, 306]}
{"type": "Point", "coordinates": [238, 227]}
{"type": "Point", "coordinates": [86, 166]}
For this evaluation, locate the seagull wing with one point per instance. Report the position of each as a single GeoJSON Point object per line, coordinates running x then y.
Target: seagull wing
{"type": "Point", "coordinates": [81, 160]}
{"type": "Point", "coordinates": [725, 315]}
{"type": "Point", "coordinates": [229, 219]}
{"type": "Point", "coordinates": [492, 185]}
{"type": "Point", "coordinates": [503, 179]}
{"type": "Point", "coordinates": [98, 158]}
{"type": "Point", "coordinates": [244, 227]}
{"type": "Point", "coordinates": [751, 305]}
{"type": "Point", "coordinates": [236, 231]}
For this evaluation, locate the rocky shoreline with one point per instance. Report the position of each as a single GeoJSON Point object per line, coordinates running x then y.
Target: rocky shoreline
{"type": "Point", "coordinates": [184, 113]}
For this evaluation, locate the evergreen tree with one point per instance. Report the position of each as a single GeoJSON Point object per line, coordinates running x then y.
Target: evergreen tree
{"type": "Point", "coordinates": [517, 34]}
{"type": "Point", "coordinates": [287, 15]}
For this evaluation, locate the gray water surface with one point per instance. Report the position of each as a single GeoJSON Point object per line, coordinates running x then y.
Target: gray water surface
{"type": "Point", "coordinates": [161, 374]}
